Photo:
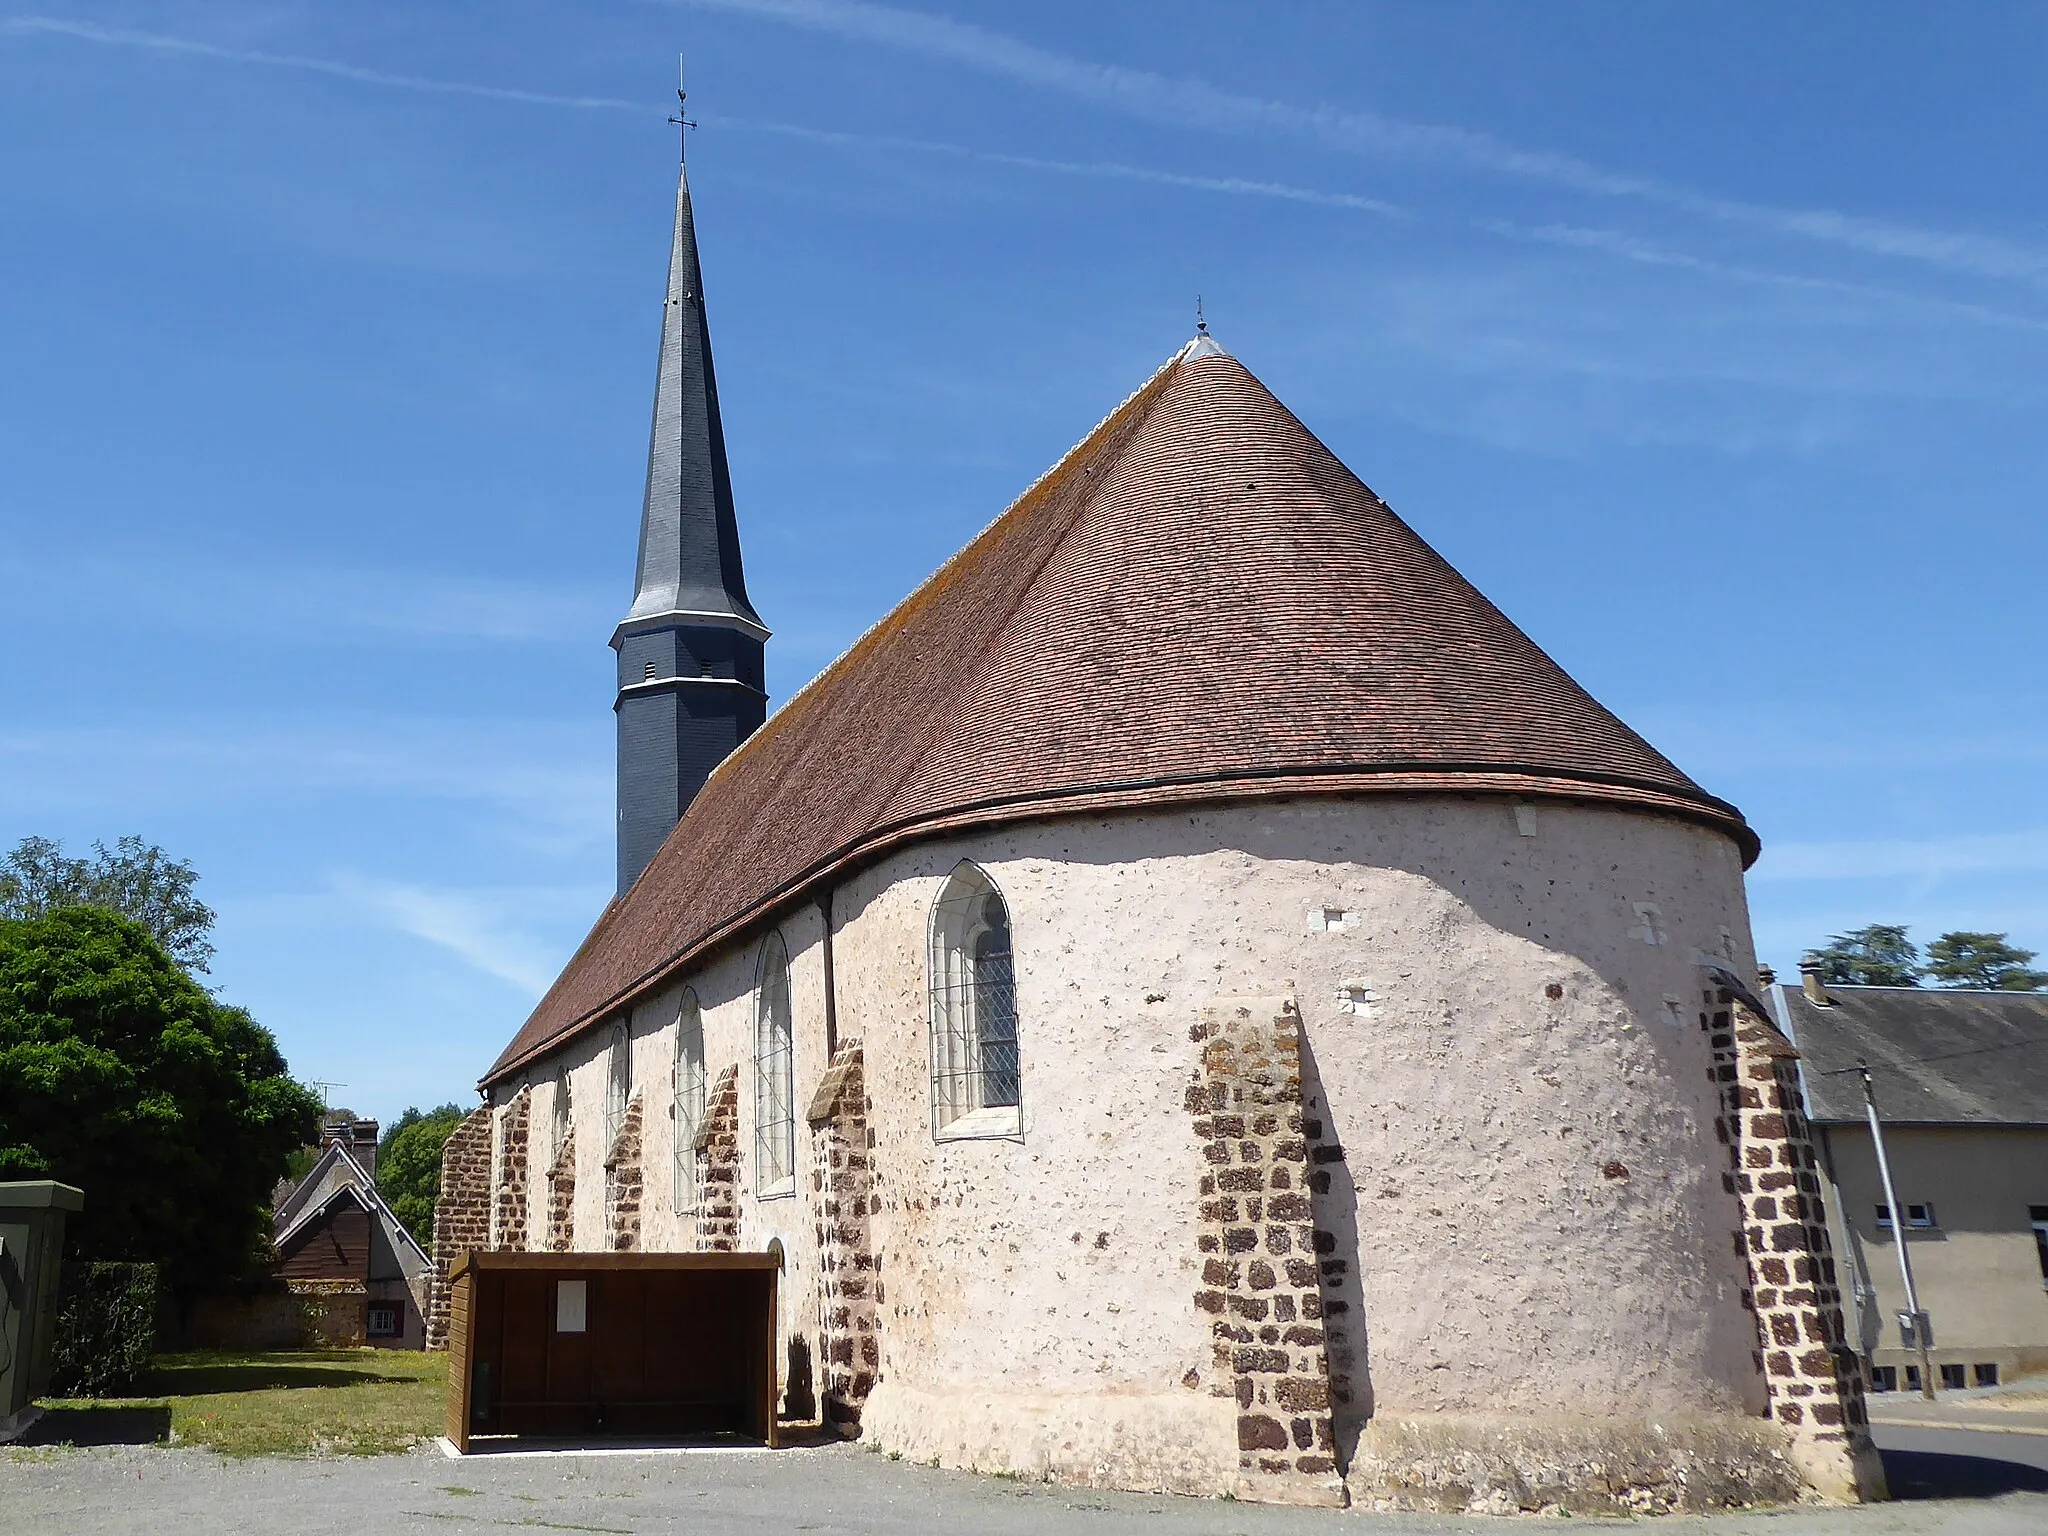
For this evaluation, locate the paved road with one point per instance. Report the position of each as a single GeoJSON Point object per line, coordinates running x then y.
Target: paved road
{"type": "Point", "coordinates": [1923, 1462]}
{"type": "Point", "coordinates": [835, 1491]}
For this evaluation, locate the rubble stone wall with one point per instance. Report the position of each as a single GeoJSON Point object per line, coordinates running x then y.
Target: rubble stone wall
{"type": "Point", "coordinates": [462, 1213]}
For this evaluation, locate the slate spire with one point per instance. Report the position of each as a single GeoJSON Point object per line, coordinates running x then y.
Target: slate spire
{"type": "Point", "coordinates": [691, 685]}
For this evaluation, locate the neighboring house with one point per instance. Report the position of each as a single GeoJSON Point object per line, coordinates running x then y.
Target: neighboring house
{"type": "Point", "coordinates": [363, 1277]}
{"type": "Point", "coordinates": [1961, 1079]}
{"type": "Point", "coordinates": [1197, 999]}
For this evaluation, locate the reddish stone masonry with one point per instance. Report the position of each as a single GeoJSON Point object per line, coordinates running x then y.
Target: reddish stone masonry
{"type": "Point", "coordinates": [508, 1216]}
{"type": "Point", "coordinates": [622, 1181]}
{"type": "Point", "coordinates": [1262, 1282]}
{"type": "Point", "coordinates": [842, 1148]}
{"type": "Point", "coordinates": [1814, 1377]}
{"type": "Point", "coordinates": [562, 1197]}
{"type": "Point", "coordinates": [718, 1166]}
{"type": "Point", "coordinates": [462, 1212]}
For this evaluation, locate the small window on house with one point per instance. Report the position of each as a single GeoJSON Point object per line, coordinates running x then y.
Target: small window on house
{"type": "Point", "coordinates": [688, 1082]}
{"type": "Point", "coordinates": [1954, 1378]}
{"type": "Point", "coordinates": [560, 1124]}
{"type": "Point", "coordinates": [1916, 1216]}
{"type": "Point", "coordinates": [648, 674]}
{"type": "Point", "coordinates": [1884, 1378]}
{"type": "Point", "coordinates": [1985, 1374]}
{"type": "Point", "coordinates": [2039, 1213]}
{"type": "Point", "coordinates": [1912, 1378]}
{"type": "Point", "coordinates": [618, 1084]}
{"type": "Point", "coordinates": [774, 1074]}
{"type": "Point", "coordinates": [383, 1322]}
{"type": "Point", "coordinates": [977, 1074]}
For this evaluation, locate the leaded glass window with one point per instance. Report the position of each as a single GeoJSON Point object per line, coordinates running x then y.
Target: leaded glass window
{"type": "Point", "coordinates": [618, 1085]}
{"type": "Point", "coordinates": [689, 1085]}
{"type": "Point", "coordinates": [977, 1076]}
{"type": "Point", "coordinates": [774, 1075]}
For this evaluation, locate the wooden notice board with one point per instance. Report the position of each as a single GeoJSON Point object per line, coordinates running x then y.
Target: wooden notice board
{"type": "Point", "coordinates": [641, 1346]}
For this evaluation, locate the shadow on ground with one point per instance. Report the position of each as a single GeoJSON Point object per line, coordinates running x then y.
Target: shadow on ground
{"type": "Point", "coordinates": [207, 1378]}
{"type": "Point", "coordinates": [1933, 1475]}
{"type": "Point", "coordinates": [124, 1425]}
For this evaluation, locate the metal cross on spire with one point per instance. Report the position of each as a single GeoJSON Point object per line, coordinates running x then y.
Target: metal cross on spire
{"type": "Point", "coordinates": [681, 116]}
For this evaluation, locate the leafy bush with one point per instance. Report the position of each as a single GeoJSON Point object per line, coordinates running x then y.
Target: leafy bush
{"type": "Point", "coordinates": [106, 1327]}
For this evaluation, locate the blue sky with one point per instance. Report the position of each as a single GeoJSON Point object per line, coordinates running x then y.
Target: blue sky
{"type": "Point", "coordinates": [1708, 342]}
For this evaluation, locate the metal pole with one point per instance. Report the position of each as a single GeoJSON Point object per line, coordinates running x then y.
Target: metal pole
{"type": "Point", "coordinates": [1891, 1202]}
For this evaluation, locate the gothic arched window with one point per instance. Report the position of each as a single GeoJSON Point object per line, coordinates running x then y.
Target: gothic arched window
{"type": "Point", "coordinates": [977, 1077]}
{"type": "Point", "coordinates": [688, 1082]}
{"type": "Point", "coordinates": [618, 1085]}
{"type": "Point", "coordinates": [774, 1075]}
{"type": "Point", "coordinates": [560, 1118]}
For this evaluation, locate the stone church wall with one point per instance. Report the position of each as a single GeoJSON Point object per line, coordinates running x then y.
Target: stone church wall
{"type": "Point", "coordinates": [1511, 1113]}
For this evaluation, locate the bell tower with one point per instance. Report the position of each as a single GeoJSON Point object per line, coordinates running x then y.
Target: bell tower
{"type": "Point", "coordinates": [691, 686]}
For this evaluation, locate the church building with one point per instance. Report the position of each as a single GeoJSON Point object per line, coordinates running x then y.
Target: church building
{"type": "Point", "coordinates": [1197, 1000]}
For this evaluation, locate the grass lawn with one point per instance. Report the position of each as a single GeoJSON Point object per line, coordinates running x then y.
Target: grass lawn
{"type": "Point", "coordinates": [352, 1402]}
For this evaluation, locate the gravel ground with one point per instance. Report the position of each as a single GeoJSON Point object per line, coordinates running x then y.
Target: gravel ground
{"type": "Point", "coordinates": [125, 1491]}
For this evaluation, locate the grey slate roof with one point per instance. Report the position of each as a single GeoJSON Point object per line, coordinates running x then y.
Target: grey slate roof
{"type": "Point", "coordinates": [689, 567]}
{"type": "Point", "coordinates": [1937, 1057]}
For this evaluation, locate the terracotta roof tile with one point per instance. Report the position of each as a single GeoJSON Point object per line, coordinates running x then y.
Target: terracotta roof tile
{"type": "Point", "coordinates": [1199, 602]}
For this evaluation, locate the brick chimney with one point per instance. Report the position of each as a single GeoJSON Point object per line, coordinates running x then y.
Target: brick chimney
{"type": "Point", "coordinates": [1810, 982]}
{"type": "Point", "coordinates": [341, 1127]}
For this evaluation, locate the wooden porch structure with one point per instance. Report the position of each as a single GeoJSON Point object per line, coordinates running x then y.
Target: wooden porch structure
{"type": "Point", "coordinates": [642, 1346]}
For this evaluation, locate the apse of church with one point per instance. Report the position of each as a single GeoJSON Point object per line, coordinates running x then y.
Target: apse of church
{"type": "Point", "coordinates": [1195, 997]}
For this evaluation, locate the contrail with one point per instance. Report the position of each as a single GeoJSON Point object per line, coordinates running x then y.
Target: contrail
{"type": "Point", "coordinates": [154, 42]}
{"type": "Point", "coordinates": [1190, 103]}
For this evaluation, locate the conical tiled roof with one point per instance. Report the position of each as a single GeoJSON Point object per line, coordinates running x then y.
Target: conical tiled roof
{"type": "Point", "coordinates": [1198, 603]}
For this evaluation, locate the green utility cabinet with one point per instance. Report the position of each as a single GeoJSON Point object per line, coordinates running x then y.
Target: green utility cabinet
{"type": "Point", "coordinates": [31, 1259]}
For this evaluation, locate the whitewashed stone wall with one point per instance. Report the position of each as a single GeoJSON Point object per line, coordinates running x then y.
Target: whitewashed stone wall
{"type": "Point", "coordinates": [1514, 1109]}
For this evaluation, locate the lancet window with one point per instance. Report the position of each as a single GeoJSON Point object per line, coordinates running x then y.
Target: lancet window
{"type": "Point", "coordinates": [774, 1074]}
{"type": "Point", "coordinates": [559, 1123]}
{"type": "Point", "coordinates": [688, 1083]}
{"type": "Point", "coordinates": [977, 1076]}
{"type": "Point", "coordinates": [618, 1084]}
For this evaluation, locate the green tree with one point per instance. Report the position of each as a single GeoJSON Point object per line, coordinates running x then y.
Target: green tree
{"type": "Point", "coordinates": [1878, 956]}
{"type": "Point", "coordinates": [121, 1074]}
{"type": "Point", "coordinates": [1983, 960]}
{"type": "Point", "coordinates": [409, 1165]}
{"type": "Point", "coordinates": [136, 879]}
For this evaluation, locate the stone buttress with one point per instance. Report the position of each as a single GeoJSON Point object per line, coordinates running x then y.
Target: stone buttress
{"type": "Point", "coordinates": [718, 1166]}
{"type": "Point", "coordinates": [622, 1182]}
{"type": "Point", "coordinates": [1814, 1376]}
{"type": "Point", "coordinates": [842, 1147]}
{"type": "Point", "coordinates": [1262, 1284]}
{"type": "Point", "coordinates": [462, 1213]}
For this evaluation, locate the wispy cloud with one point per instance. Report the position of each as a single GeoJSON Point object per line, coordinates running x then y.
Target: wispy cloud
{"type": "Point", "coordinates": [1105, 170]}
{"type": "Point", "coordinates": [1193, 103]}
{"type": "Point", "coordinates": [551, 782]}
{"type": "Point", "coordinates": [496, 930]}
{"type": "Point", "coordinates": [120, 37]}
{"type": "Point", "coordinates": [1929, 858]}
{"type": "Point", "coordinates": [1632, 248]}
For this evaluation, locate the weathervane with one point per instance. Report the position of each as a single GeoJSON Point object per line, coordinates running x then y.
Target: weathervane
{"type": "Point", "coordinates": [681, 118]}
{"type": "Point", "coordinates": [1201, 325]}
